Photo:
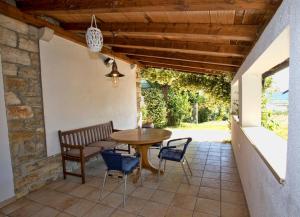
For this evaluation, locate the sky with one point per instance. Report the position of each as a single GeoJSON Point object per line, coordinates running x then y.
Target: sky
{"type": "Point", "coordinates": [281, 80]}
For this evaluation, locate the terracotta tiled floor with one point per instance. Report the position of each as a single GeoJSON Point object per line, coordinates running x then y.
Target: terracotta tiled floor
{"type": "Point", "coordinates": [215, 191]}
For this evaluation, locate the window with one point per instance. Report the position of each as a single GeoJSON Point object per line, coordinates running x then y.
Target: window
{"type": "Point", "coordinates": [275, 99]}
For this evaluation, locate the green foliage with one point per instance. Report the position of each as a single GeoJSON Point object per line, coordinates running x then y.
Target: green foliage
{"type": "Point", "coordinates": [155, 107]}
{"type": "Point", "coordinates": [203, 114]}
{"type": "Point", "coordinates": [179, 107]}
{"type": "Point", "coordinates": [267, 119]}
{"type": "Point", "coordinates": [182, 90]}
{"type": "Point", "coordinates": [193, 96]}
{"type": "Point", "coordinates": [216, 86]}
{"type": "Point", "coordinates": [211, 109]}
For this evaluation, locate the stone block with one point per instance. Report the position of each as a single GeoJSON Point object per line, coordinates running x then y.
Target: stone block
{"type": "Point", "coordinates": [19, 112]}
{"type": "Point", "coordinates": [19, 137]}
{"type": "Point", "coordinates": [35, 60]}
{"type": "Point", "coordinates": [9, 69]}
{"type": "Point", "coordinates": [34, 88]}
{"type": "Point", "coordinates": [13, 24]}
{"type": "Point", "coordinates": [40, 147]}
{"type": "Point", "coordinates": [33, 123]}
{"type": "Point", "coordinates": [23, 181]}
{"type": "Point", "coordinates": [33, 33]}
{"type": "Point", "coordinates": [15, 84]}
{"type": "Point", "coordinates": [14, 55]}
{"type": "Point", "coordinates": [33, 100]}
{"type": "Point", "coordinates": [15, 125]}
{"type": "Point", "coordinates": [12, 99]}
{"type": "Point", "coordinates": [28, 72]}
{"type": "Point", "coordinates": [14, 150]}
{"type": "Point", "coordinates": [8, 37]}
{"type": "Point", "coordinates": [29, 45]}
{"type": "Point", "coordinates": [46, 34]}
{"type": "Point", "coordinates": [28, 148]}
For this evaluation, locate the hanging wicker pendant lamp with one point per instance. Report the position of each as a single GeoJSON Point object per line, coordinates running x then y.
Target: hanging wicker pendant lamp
{"type": "Point", "coordinates": [94, 37]}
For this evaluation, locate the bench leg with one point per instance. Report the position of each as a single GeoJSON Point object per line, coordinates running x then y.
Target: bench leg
{"type": "Point", "coordinates": [128, 149]}
{"type": "Point", "coordinates": [64, 166]}
{"type": "Point", "coordinates": [82, 166]}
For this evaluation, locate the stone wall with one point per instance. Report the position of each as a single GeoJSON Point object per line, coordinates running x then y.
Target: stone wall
{"type": "Point", "coordinates": [19, 47]}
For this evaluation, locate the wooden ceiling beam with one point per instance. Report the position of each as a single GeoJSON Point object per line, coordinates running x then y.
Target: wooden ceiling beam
{"type": "Point", "coordinates": [224, 61]}
{"type": "Point", "coordinates": [104, 6]}
{"type": "Point", "coordinates": [164, 36]}
{"type": "Point", "coordinates": [178, 46]}
{"type": "Point", "coordinates": [179, 68]}
{"type": "Point", "coordinates": [15, 13]}
{"type": "Point", "coordinates": [185, 63]}
{"type": "Point", "coordinates": [192, 31]}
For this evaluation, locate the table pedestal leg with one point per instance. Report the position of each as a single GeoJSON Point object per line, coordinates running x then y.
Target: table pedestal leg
{"type": "Point", "coordinates": [146, 164]}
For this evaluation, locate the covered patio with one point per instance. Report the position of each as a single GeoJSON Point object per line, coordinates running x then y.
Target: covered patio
{"type": "Point", "coordinates": [215, 190]}
{"type": "Point", "coordinates": [50, 81]}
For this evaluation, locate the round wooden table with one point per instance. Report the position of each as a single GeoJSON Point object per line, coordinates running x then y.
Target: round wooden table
{"type": "Point", "coordinates": [142, 139]}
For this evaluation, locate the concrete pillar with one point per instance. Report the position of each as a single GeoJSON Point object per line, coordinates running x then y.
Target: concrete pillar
{"type": "Point", "coordinates": [250, 92]}
{"type": "Point", "coordinates": [293, 159]}
{"type": "Point", "coordinates": [235, 98]}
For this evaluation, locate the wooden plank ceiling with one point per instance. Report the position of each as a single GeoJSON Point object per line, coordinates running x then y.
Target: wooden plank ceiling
{"type": "Point", "coordinates": [198, 36]}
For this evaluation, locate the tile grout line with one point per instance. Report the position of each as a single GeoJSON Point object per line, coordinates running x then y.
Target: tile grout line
{"type": "Point", "coordinates": [194, 210]}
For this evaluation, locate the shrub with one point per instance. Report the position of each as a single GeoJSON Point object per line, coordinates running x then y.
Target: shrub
{"type": "Point", "coordinates": [267, 119]}
{"type": "Point", "coordinates": [179, 107]}
{"type": "Point", "coordinates": [212, 109]}
{"type": "Point", "coordinates": [203, 115]}
{"type": "Point", "coordinates": [155, 107]}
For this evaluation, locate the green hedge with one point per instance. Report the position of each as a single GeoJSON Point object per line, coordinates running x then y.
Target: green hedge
{"type": "Point", "coordinates": [155, 107]}
{"type": "Point", "coordinates": [179, 107]}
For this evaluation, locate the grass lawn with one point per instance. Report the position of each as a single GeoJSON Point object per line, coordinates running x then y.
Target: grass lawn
{"type": "Point", "coordinates": [211, 125]}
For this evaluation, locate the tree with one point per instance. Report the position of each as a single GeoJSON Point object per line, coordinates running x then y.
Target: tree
{"type": "Point", "coordinates": [194, 99]}
{"type": "Point", "coordinates": [216, 86]}
{"type": "Point", "coordinates": [179, 107]}
{"type": "Point", "coordinates": [181, 93]}
{"type": "Point", "coordinates": [155, 107]}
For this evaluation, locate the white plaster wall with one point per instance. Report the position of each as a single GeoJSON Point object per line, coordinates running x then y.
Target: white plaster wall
{"type": "Point", "coordinates": [6, 176]}
{"type": "Point", "coordinates": [250, 92]}
{"type": "Point", "coordinates": [293, 159]}
{"type": "Point", "coordinates": [77, 94]}
{"type": "Point", "coordinates": [265, 196]}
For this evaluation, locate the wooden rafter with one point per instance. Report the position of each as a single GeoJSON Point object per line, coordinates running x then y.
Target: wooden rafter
{"type": "Point", "coordinates": [178, 46]}
{"type": "Point", "coordinates": [183, 31]}
{"type": "Point", "coordinates": [226, 61]}
{"type": "Point", "coordinates": [276, 69]}
{"type": "Point", "coordinates": [104, 6]}
{"type": "Point", "coordinates": [15, 13]}
{"type": "Point", "coordinates": [180, 68]}
{"type": "Point", "coordinates": [185, 63]}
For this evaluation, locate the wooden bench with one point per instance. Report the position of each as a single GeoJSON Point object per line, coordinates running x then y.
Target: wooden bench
{"type": "Point", "coordinates": [82, 144]}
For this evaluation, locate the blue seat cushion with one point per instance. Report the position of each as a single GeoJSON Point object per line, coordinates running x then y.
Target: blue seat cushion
{"type": "Point", "coordinates": [171, 154]}
{"type": "Point", "coordinates": [157, 145]}
{"type": "Point", "coordinates": [129, 164]}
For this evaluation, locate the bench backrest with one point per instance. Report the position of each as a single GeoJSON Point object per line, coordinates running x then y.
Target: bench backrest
{"type": "Point", "coordinates": [86, 135]}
